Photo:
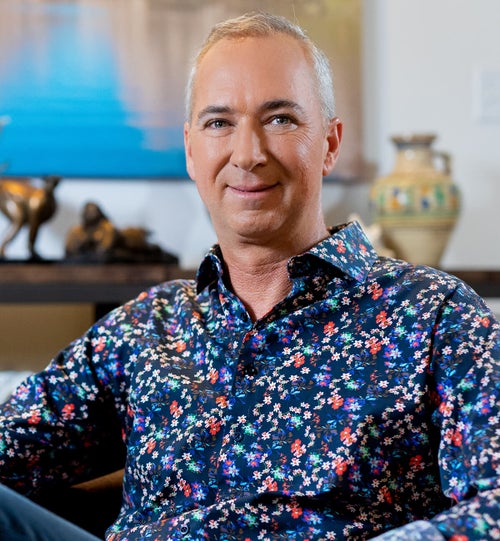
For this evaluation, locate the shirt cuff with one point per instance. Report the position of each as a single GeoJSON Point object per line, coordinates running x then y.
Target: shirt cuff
{"type": "Point", "coordinates": [420, 530]}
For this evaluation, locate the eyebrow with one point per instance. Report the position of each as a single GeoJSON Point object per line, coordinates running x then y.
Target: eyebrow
{"type": "Point", "coordinates": [271, 105]}
{"type": "Point", "coordinates": [213, 110]}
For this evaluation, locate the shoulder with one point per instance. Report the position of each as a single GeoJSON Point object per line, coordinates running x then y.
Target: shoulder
{"type": "Point", "coordinates": [425, 286]}
{"type": "Point", "coordinates": [399, 271]}
{"type": "Point", "coordinates": [159, 301]}
{"type": "Point", "coordinates": [170, 293]}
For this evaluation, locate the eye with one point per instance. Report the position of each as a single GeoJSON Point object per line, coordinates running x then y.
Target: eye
{"type": "Point", "coordinates": [281, 120]}
{"type": "Point", "coordinates": [216, 124]}
{"type": "Point", "coordinates": [282, 123]}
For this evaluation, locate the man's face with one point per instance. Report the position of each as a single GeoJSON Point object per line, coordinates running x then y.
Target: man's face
{"type": "Point", "coordinates": [257, 145]}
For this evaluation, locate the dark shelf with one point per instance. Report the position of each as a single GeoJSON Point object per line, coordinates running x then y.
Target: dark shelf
{"type": "Point", "coordinates": [94, 283]}
{"type": "Point", "coordinates": [114, 283]}
{"type": "Point", "coordinates": [485, 282]}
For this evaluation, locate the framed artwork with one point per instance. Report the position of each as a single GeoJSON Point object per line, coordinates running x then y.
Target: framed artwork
{"type": "Point", "coordinates": [94, 88]}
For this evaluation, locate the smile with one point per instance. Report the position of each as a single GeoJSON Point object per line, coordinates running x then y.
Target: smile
{"type": "Point", "coordinates": [252, 189]}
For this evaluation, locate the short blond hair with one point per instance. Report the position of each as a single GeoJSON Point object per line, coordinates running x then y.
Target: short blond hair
{"type": "Point", "coordinates": [262, 24]}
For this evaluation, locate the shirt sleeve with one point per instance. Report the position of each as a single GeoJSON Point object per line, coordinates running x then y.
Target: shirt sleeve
{"type": "Point", "coordinates": [465, 375]}
{"type": "Point", "coordinates": [64, 424]}
{"type": "Point", "coordinates": [466, 353]}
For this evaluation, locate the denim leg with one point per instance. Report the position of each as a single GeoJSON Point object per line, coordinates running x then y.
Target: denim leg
{"type": "Point", "coordinates": [23, 520]}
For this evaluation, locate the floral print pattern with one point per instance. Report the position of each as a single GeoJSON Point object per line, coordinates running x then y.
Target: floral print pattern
{"type": "Point", "coordinates": [367, 400]}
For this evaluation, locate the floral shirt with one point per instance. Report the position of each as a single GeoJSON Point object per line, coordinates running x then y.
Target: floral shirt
{"type": "Point", "coordinates": [367, 401]}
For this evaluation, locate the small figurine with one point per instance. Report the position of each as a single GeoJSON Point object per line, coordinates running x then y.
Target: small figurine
{"type": "Point", "coordinates": [97, 239]}
{"type": "Point", "coordinates": [26, 205]}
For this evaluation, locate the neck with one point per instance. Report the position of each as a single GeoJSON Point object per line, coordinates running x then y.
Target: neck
{"type": "Point", "coordinates": [258, 274]}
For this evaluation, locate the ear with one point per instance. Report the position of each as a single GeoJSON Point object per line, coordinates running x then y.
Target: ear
{"type": "Point", "coordinates": [332, 145]}
{"type": "Point", "coordinates": [187, 150]}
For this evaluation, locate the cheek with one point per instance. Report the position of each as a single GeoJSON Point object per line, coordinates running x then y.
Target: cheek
{"type": "Point", "coordinates": [208, 157]}
{"type": "Point", "coordinates": [205, 194]}
{"type": "Point", "coordinates": [307, 146]}
{"type": "Point", "coordinates": [304, 157]}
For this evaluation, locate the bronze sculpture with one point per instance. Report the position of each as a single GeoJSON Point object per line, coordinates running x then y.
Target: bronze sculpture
{"type": "Point", "coordinates": [26, 205]}
{"type": "Point", "coordinates": [97, 239]}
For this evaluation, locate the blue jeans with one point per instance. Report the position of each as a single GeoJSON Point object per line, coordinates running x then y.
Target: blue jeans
{"type": "Point", "coordinates": [23, 520]}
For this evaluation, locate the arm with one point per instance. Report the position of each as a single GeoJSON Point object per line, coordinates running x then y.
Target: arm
{"type": "Point", "coordinates": [64, 424]}
{"type": "Point", "coordinates": [466, 379]}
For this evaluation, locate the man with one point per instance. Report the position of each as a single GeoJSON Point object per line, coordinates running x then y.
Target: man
{"type": "Point", "coordinates": [302, 387]}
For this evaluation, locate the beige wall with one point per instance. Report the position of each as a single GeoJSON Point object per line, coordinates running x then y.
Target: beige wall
{"type": "Point", "coordinates": [32, 334]}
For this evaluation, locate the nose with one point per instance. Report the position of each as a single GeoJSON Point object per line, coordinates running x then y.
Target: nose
{"type": "Point", "coordinates": [249, 148]}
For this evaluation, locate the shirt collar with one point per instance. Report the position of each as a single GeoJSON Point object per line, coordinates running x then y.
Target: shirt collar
{"type": "Point", "coordinates": [347, 249]}
{"type": "Point", "coordinates": [211, 268]}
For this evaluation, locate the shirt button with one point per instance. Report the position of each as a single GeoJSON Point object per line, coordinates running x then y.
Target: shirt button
{"type": "Point", "coordinates": [250, 370]}
{"type": "Point", "coordinates": [184, 529]}
{"type": "Point", "coordinates": [238, 435]}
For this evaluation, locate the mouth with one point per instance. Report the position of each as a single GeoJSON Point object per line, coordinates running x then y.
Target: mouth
{"type": "Point", "coordinates": [252, 189]}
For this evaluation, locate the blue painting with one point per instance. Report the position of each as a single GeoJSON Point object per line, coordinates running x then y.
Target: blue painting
{"type": "Point", "coordinates": [73, 98]}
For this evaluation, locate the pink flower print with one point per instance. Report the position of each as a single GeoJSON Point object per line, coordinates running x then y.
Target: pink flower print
{"type": "Point", "coordinates": [346, 437]}
{"type": "Point", "coordinates": [298, 449]}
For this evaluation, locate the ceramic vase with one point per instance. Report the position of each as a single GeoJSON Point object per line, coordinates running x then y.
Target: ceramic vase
{"type": "Point", "coordinates": [417, 204]}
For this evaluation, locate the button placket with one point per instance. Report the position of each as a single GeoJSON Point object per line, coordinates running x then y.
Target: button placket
{"type": "Point", "coordinates": [238, 435]}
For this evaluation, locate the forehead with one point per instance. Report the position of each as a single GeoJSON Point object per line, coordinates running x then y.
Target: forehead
{"type": "Point", "coordinates": [253, 70]}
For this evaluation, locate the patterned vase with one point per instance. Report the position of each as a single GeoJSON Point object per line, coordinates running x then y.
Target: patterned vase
{"type": "Point", "coordinates": [417, 204]}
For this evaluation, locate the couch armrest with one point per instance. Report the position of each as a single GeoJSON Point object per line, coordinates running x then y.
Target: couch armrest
{"type": "Point", "coordinates": [92, 505]}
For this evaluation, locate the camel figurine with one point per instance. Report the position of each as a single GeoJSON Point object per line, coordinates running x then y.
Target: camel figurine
{"type": "Point", "coordinates": [26, 205]}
